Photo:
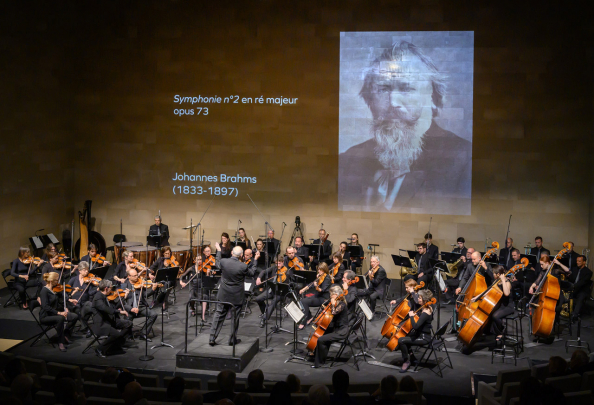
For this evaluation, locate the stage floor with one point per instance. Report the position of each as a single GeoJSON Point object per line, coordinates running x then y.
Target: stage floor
{"type": "Point", "coordinates": [456, 382]}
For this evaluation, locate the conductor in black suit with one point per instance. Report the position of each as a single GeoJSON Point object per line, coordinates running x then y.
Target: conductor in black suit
{"type": "Point", "coordinates": [232, 290]}
{"type": "Point", "coordinates": [159, 229]}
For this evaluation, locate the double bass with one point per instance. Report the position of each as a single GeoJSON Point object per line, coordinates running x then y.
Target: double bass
{"type": "Point", "coordinates": [476, 285]}
{"type": "Point", "coordinates": [400, 313]}
{"type": "Point", "coordinates": [546, 297]}
{"type": "Point", "coordinates": [485, 306]}
{"type": "Point", "coordinates": [322, 322]}
{"type": "Point", "coordinates": [405, 326]}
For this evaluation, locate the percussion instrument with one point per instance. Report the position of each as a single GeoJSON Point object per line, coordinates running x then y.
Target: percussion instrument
{"type": "Point", "coordinates": [141, 252]}
{"type": "Point", "coordinates": [125, 245]}
{"type": "Point", "coordinates": [181, 254]}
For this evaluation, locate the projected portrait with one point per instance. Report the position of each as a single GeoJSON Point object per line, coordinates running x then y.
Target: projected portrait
{"type": "Point", "coordinates": [406, 122]}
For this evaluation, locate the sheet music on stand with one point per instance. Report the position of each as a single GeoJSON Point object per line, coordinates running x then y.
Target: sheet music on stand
{"type": "Point", "coordinates": [36, 242]}
{"type": "Point", "coordinates": [365, 281]}
{"type": "Point", "coordinates": [366, 310]}
{"type": "Point", "coordinates": [294, 311]}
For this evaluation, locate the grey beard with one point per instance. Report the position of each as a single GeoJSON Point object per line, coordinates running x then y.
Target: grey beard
{"type": "Point", "coordinates": [398, 144]}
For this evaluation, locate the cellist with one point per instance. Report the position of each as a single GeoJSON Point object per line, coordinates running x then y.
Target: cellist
{"type": "Point", "coordinates": [338, 328]}
{"type": "Point", "coordinates": [413, 296]}
{"type": "Point", "coordinates": [278, 269]}
{"type": "Point", "coordinates": [420, 333]}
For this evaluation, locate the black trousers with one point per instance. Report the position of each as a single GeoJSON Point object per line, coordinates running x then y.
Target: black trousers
{"type": "Point", "coordinates": [405, 343]}
{"type": "Point", "coordinates": [310, 302]}
{"type": "Point", "coordinates": [21, 286]}
{"type": "Point", "coordinates": [142, 313]}
{"type": "Point", "coordinates": [272, 301]}
{"type": "Point", "coordinates": [451, 284]}
{"type": "Point", "coordinates": [497, 318]}
{"type": "Point", "coordinates": [219, 319]}
{"type": "Point", "coordinates": [372, 295]}
{"type": "Point", "coordinates": [323, 346]}
{"type": "Point", "coordinates": [117, 336]}
{"type": "Point", "coordinates": [83, 311]}
{"type": "Point", "coordinates": [62, 324]}
{"type": "Point", "coordinates": [578, 301]}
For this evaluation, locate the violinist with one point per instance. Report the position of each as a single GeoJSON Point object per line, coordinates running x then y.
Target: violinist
{"type": "Point", "coordinates": [162, 262]}
{"type": "Point", "coordinates": [53, 312]}
{"type": "Point", "coordinates": [413, 296]}
{"type": "Point", "coordinates": [93, 258]}
{"type": "Point", "coordinates": [506, 303]}
{"type": "Point", "coordinates": [261, 264]}
{"type": "Point", "coordinates": [225, 246]}
{"type": "Point", "coordinates": [453, 283]}
{"type": "Point", "coordinates": [356, 261]}
{"type": "Point", "coordinates": [278, 271]}
{"type": "Point", "coordinates": [292, 258]}
{"type": "Point", "coordinates": [579, 281]}
{"type": "Point", "coordinates": [208, 257]}
{"type": "Point", "coordinates": [248, 256]}
{"type": "Point", "coordinates": [241, 237]}
{"type": "Point", "coordinates": [338, 328]}
{"type": "Point", "coordinates": [321, 286]}
{"type": "Point", "coordinates": [135, 301]}
{"type": "Point", "coordinates": [51, 264]}
{"type": "Point", "coordinates": [377, 282]}
{"type": "Point", "coordinates": [425, 271]}
{"type": "Point", "coordinates": [337, 268]}
{"type": "Point", "coordinates": [81, 297]}
{"type": "Point", "coordinates": [196, 291]}
{"type": "Point", "coordinates": [348, 284]}
{"type": "Point", "coordinates": [484, 269]}
{"type": "Point", "coordinates": [121, 271]}
{"type": "Point", "coordinates": [420, 333]}
{"type": "Point", "coordinates": [301, 251]}
{"type": "Point", "coordinates": [105, 322]}
{"type": "Point", "coordinates": [49, 249]}
{"type": "Point", "coordinates": [23, 271]}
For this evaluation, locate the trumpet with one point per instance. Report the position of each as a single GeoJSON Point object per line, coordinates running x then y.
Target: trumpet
{"type": "Point", "coordinates": [404, 271]}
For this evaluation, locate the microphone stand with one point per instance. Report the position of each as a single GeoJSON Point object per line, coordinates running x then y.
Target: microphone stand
{"type": "Point", "coordinates": [267, 226]}
{"type": "Point", "coordinates": [146, 357]}
{"type": "Point", "coordinates": [509, 249]}
{"type": "Point", "coordinates": [201, 243]}
{"type": "Point", "coordinates": [278, 326]}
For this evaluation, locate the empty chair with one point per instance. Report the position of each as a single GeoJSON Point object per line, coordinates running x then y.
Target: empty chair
{"type": "Point", "coordinates": [588, 380]}
{"type": "Point", "coordinates": [191, 383]}
{"type": "Point", "coordinates": [35, 366]}
{"type": "Point", "coordinates": [513, 375]}
{"type": "Point", "coordinates": [566, 383]}
{"type": "Point", "coordinates": [92, 374]}
{"type": "Point", "coordinates": [147, 380]}
{"type": "Point", "coordinates": [155, 394]}
{"type": "Point", "coordinates": [45, 397]}
{"type": "Point", "coordinates": [55, 368]}
{"type": "Point", "coordinates": [579, 398]}
{"type": "Point", "coordinates": [104, 401]}
{"type": "Point", "coordinates": [97, 389]}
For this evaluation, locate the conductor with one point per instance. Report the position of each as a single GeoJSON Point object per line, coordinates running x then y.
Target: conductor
{"type": "Point", "coordinates": [231, 290]}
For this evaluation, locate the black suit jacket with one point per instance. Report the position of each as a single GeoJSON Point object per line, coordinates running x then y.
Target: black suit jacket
{"type": "Point", "coordinates": [326, 248]}
{"type": "Point", "coordinates": [433, 251]}
{"type": "Point", "coordinates": [584, 280]}
{"type": "Point", "coordinates": [103, 314]}
{"type": "Point", "coordinates": [439, 180]}
{"type": "Point", "coordinates": [505, 257]}
{"type": "Point", "coordinates": [164, 231]}
{"type": "Point", "coordinates": [537, 252]}
{"type": "Point", "coordinates": [233, 274]}
{"type": "Point", "coordinates": [423, 264]}
{"type": "Point", "coordinates": [379, 280]}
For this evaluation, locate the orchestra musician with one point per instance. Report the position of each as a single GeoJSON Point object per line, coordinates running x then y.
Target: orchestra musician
{"type": "Point", "coordinates": [505, 256]}
{"type": "Point", "coordinates": [81, 298]}
{"type": "Point", "coordinates": [336, 261]}
{"type": "Point", "coordinates": [241, 237]}
{"type": "Point", "coordinates": [377, 282]}
{"type": "Point", "coordinates": [196, 290]}
{"type": "Point", "coordinates": [425, 271]}
{"type": "Point", "coordinates": [48, 249]}
{"type": "Point", "coordinates": [136, 302]}
{"type": "Point", "coordinates": [291, 255]}
{"type": "Point", "coordinates": [460, 248]}
{"type": "Point", "coordinates": [162, 262]}
{"type": "Point", "coordinates": [302, 251]}
{"type": "Point", "coordinates": [105, 322]}
{"type": "Point", "coordinates": [91, 255]}
{"type": "Point", "coordinates": [522, 280]}
{"type": "Point", "coordinates": [432, 250]}
{"type": "Point", "coordinates": [320, 295]}
{"type": "Point", "coordinates": [420, 333]}
{"type": "Point", "coordinates": [325, 248]}
{"type": "Point", "coordinates": [413, 296]}
{"type": "Point", "coordinates": [232, 290]}
{"type": "Point", "coordinates": [24, 274]}
{"type": "Point", "coordinates": [537, 251]}
{"type": "Point", "coordinates": [53, 312]}
{"type": "Point", "coordinates": [159, 229]}
{"type": "Point", "coordinates": [274, 241]}
{"type": "Point", "coordinates": [506, 303]}
{"type": "Point", "coordinates": [484, 269]}
{"type": "Point", "coordinates": [453, 283]}
{"type": "Point", "coordinates": [571, 256]}
{"type": "Point", "coordinates": [347, 285]}
{"type": "Point", "coordinates": [356, 261]}
{"type": "Point", "coordinates": [121, 271]}
{"type": "Point", "coordinates": [337, 329]}
{"type": "Point", "coordinates": [260, 264]}
{"type": "Point", "coordinates": [225, 245]}
{"type": "Point", "coordinates": [580, 279]}
{"type": "Point", "coordinates": [269, 293]}
{"type": "Point", "coordinates": [48, 265]}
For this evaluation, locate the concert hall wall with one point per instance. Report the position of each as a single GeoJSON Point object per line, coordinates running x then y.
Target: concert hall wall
{"type": "Point", "coordinates": [89, 92]}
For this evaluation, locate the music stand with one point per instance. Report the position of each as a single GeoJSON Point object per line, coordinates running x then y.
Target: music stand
{"type": "Point", "coordinates": [243, 245]}
{"type": "Point", "coordinates": [308, 275]}
{"type": "Point", "coordinates": [168, 275]}
{"type": "Point", "coordinates": [100, 272]}
{"type": "Point", "coordinates": [438, 265]}
{"type": "Point", "coordinates": [313, 249]}
{"type": "Point", "coordinates": [155, 240]}
{"type": "Point", "coordinates": [531, 258]}
{"type": "Point", "coordinates": [279, 289]}
{"type": "Point", "coordinates": [450, 257]}
{"type": "Point", "coordinates": [270, 250]}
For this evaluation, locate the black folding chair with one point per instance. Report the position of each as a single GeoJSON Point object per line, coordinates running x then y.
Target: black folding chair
{"type": "Point", "coordinates": [9, 280]}
{"type": "Point", "coordinates": [44, 328]}
{"type": "Point", "coordinates": [95, 339]}
{"type": "Point", "coordinates": [437, 343]}
{"type": "Point", "coordinates": [351, 339]}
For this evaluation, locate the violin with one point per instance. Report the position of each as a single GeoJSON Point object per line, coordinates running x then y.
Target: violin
{"type": "Point", "coordinates": [281, 274]}
{"type": "Point", "coordinates": [372, 272]}
{"type": "Point", "coordinates": [400, 313]}
{"type": "Point", "coordinates": [63, 263]}
{"type": "Point", "coordinates": [317, 282]}
{"type": "Point", "coordinates": [356, 280]}
{"type": "Point", "coordinates": [547, 294]}
{"type": "Point", "coordinates": [146, 284]}
{"type": "Point", "coordinates": [171, 262]}
{"type": "Point", "coordinates": [322, 322]}
{"type": "Point", "coordinates": [34, 260]}
{"type": "Point", "coordinates": [334, 271]}
{"type": "Point", "coordinates": [59, 288]}
{"type": "Point", "coordinates": [207, 264]}
{"type": "Point", "coordinates": [404, 327]}
{"type": "Point", "coordinates": [296, 264]}
{"type": "Point", "coordinates": [98, 259]}
{"type": "Point", "coordinates": [115, 294]}
{"type": "Point", "coordinates": [91, 278]}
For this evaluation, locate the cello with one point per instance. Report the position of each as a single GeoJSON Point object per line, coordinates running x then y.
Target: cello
{"type": "Point", "coordinates": [322, 322]}
{"type": "Point", "coordinates": [547, 294]}
{"type": "Point", "coordinates": [476, 285]}
{"type": "Point", "coordinates": [400, 313]}
{"type": "Point", "coordinates": [486, 303]}
{"type": "Point", "coordinates": [405, 326]}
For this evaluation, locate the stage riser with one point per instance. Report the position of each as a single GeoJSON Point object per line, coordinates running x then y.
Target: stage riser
{"type": "Point", "coordinates": [200, 355]}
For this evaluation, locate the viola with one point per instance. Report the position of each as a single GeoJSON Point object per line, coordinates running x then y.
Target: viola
{"type": "Point", "coordinates": [400, 313]}
{"type": "Point", "coordinates": [32, 260]}
{"type": "Point", "coordinates": [322, 322]}
{"type": "Point", "coordinates": [115, 294]}
{"type": "Point", "coordinates": [547, 294]}
{"type": "Point", "coordinates": [171, 262]}
{"type": "Point", "coordinates": [281, 274]}
{"type": "Point", "coordinates": [296, 264]}
{"type": "Point", "coordinates": [91, 278]}
{"type": "Point", "coordinates": [372, 272]}
{"type": "Point", "coordinates": [98, 259]}
{"type": "Point", "coordinates": [142, 283]}
{"type": "Point", "coordinates": [356, 280]}
{"type": "Point", "coordinates": [404, 327]}
{"type": "Point", "coordinates": [334, 271]}
{"type": "Point", "coordinates": [59, 288]}
{"type": "Point", "coordinates": [207, 264]}
{"type": "Point", "coordinates": [320, 281]}
{"type": "Point", "coordinates": [486, 303]}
